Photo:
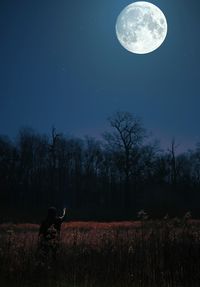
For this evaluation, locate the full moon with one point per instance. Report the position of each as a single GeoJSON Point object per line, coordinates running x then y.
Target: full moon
{"type": "Point", "coordinates": [141, 27]}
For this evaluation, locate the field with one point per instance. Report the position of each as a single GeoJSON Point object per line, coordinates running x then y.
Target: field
{"type": "Point", "coordinates": [145, 253]}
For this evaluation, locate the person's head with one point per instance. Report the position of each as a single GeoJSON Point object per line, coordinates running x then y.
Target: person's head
{"type": "Point", "coordinates": [52, 211]}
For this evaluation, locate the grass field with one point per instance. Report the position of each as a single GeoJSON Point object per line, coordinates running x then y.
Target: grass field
{"type": "Point", "coordinates": [142, 253]}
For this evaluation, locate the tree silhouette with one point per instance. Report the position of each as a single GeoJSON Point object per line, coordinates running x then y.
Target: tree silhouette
{"type": "Point", "coordinates": [104, 180]}
{"type": "Point", "coordinates": [124, 141]}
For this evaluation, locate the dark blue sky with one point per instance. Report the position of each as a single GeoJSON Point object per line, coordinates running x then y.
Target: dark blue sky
{"type": "Point", "coordinates": [61, 64]}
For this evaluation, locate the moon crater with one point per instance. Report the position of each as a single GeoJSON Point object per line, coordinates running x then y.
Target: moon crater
{"type": "Point", "coordinates": [141, 27]}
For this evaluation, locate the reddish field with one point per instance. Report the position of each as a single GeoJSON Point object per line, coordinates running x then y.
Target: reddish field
{"type": "Point", "coordinates": [138, 253]}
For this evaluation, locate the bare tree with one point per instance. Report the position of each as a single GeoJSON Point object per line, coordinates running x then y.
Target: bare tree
{"type": "Point", "coordinates": [173, 163]}
{"type": "Point", "coordinates": [124, 141]}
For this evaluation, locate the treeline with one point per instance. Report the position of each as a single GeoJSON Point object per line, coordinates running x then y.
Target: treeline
{"type": "Point", "coordinates": [110, 179]}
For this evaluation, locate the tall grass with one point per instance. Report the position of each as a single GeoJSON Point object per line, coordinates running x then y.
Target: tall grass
{"type": "Point", "coordinates": [145, 253]}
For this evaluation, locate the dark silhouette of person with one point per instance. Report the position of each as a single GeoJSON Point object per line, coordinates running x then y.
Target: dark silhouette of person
{"type": "Point", "coordinates": [49, 237]}
{"type": "Point", "coordinates": [51, 226]}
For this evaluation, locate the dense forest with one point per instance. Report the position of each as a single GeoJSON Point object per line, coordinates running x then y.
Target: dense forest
{"type": "Point", "coordinates": [111, 179]}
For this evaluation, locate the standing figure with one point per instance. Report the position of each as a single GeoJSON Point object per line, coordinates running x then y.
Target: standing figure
{"type": "Point", "coordinates": [51, 226]}
{"type": "Point", "coordinates": [49, 233]}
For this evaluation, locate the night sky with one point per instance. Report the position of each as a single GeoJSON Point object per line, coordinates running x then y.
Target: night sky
{"type": "Point", "coordinates": [61, 64]}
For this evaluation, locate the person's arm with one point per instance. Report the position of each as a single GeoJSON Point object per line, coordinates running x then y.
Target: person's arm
{"type": "Point", "coordinates": [59, 221]}
{"type": "Point", "coordinates": [64, 213]}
